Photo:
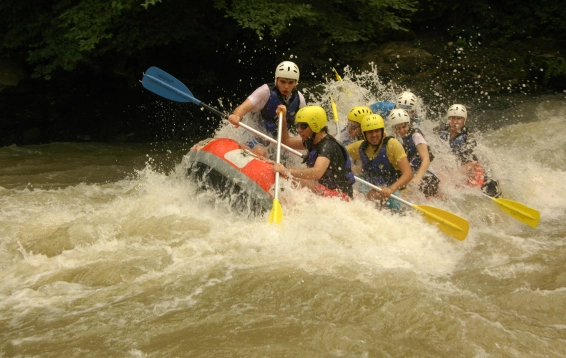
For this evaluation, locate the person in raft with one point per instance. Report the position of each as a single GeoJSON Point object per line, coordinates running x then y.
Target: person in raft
{"type": "Point", "coordinates": [462, 145]}
{"type": "Point", "coordinates": [417, 149]}
{"type": "Point", "coordinates": [328, 172]}
{"type": "Point", "coordinates": [352, 133]}
{"type": "Point", "coordinates": [384, 162]}
{"type": "Point", "coordinates": [409, 102]}
{"type": "Point", "coordinates": [264, 102]}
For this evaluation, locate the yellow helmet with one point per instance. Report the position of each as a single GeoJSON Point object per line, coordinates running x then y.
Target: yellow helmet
{"type": "Point", "coordinates": [372, 122]}
{"type": "Point", "coordinates": [357, 113]}
{"type": "Point", "coordinates": [314, 116]}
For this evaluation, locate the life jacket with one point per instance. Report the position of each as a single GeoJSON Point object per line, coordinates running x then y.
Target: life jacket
{"type": "Point", "coordinates": [413, 155]}
{"type": "Point", "coordinates": [379, 170]}
{"type": "Point", "coordinates": [275, 99]}
{"type": "Point", "coordinates": [333, 178]}
{"type": "Point", "coordinates": [459, 144]}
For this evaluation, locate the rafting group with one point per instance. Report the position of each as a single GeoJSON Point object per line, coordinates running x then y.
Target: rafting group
{"type": "Point", "coordinates": [363, 148]}
{"type": "Point", "coordinates": [362, 161]}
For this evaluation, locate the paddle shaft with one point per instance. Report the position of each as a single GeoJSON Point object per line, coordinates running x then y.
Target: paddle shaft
{"type": "Point", "coordinates": [212, 109]}
{"type": "Point", "coordinates": [278, 159]}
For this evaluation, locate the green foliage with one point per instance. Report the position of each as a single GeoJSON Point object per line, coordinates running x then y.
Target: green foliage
{"type": "Point", "coordinates": [556, 67]}
{"type": "Point", "coordinates": [262, 15]}
{"type": "Point", "coordinates": [331, 21]}
{"type": "Point", "coordinates": [64, 34]}
{"type": "Point", "coordinates": [71, 32]}
{"type": "Point", "coordinates": [61, 35]}
{"type": "Point", "coordinates": [504, 19]}
{"type": "Point", "coordinates": [149, 2]}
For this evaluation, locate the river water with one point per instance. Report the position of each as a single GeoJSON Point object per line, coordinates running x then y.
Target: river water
{"type": "Point", "coordinates": [108, 250]}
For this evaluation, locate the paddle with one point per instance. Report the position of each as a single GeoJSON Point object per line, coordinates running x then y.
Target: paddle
{"type": "Point", "coordinates": [448, 223]}
{"type": "Point", "coordinates": [518, 211]}
{"type": "Point", "coordinates": [337, 75]}
{"type": "Point", "coordinates": [333, 104]}
{"type": "Point", "coordinates": [334, 109]}
{"type": "Point", "coordinates": [340, 79]}
{"type": "Point", "coordinates": [167, 86]}
{"type": "Point", "coordinates": [276, 214]}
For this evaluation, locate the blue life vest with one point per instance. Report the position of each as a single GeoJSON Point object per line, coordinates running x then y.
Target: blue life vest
{"type": "Point", "coordinates": [275, 99]}
{"type": "Point", "coordinates": [379, 170]}
{"type": "Point", "coordinates": [413, 155]}
{"type": "Point", "coordinates": [459, 145]}
{"type": "Point", "coordinates": [334, 178]}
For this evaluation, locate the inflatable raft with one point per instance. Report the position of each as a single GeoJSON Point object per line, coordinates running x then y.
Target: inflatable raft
{"type": "Point", "coordinates": [234, 173]}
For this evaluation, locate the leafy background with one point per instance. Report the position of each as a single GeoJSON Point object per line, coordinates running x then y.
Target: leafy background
{"type": "Point", "coordinates": [80, 61]}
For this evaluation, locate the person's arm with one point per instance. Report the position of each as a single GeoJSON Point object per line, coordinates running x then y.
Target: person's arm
{"type": "Point", "coordinates": [314, 173]}
{"type": "Point", "coordinates": [406, 175]}
{"type": "Point", "coordinates": [386, 191]}
{"type": "Point", "coordinates": [422, 148]}
{"type": "Point", "coordinates": [240, 112]}
{"type": "Point", "coordinates": [293, 142]}
{"type": "Point", "coordinates": [254, 102]}
{"type": "Point", "coordinates": [353, 150]}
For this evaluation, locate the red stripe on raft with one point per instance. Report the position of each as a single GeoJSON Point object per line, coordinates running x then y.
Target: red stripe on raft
{"type": "Point", "coordinates": [256, 169]}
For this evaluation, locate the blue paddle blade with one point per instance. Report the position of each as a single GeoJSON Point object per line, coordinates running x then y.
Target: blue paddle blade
{"type": "Point", "coordinates": [165, 85]}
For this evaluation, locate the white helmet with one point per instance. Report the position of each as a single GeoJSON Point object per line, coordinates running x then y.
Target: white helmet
{"type": "Point", "coordinates": [407, 101]}
{"type": "Point", "coordinates": [398, 116]}
{"type": "Point", "coordinates": [457, 110]}
{"type": "Point", "coordinates": [287, 69]}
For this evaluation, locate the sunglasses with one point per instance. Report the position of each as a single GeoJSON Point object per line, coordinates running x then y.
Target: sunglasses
{"type": "Point", "coordinates": [302, 126]}
{"type": "Point", "coordinates": [353, 127]}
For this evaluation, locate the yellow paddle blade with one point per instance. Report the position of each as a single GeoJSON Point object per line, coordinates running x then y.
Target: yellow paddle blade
{"type": "Point", "coordinates": [340, 79]}
{"type": "Point", "coordinates": [337, 75]}
{"type": "Point", "coordinates": [276, 214]}
{"type": "Point", "coordinates": [448, 223]}
{"type": "Point", "coordinates": [334, 109]}
{"type": "Point", "coordinates": [519, 211]}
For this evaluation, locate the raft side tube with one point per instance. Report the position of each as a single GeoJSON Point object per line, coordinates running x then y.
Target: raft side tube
{"type": "Point", "coordinates": [214, 173]}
